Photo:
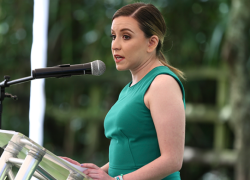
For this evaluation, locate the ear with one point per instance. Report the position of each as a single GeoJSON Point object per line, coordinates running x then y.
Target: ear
{"type": "Point", "coordinates": [152, 43]}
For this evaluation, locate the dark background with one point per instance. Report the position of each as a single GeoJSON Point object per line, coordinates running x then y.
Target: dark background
{"type": "Point", "coordinates": [78, 33]}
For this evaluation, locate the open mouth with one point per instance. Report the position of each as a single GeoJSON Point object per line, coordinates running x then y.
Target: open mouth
{"type": "Point", "coordinates": [118, 58]}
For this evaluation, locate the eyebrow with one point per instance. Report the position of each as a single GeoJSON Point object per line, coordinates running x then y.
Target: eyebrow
{"type": "Point", "coordinates": [124, 29]}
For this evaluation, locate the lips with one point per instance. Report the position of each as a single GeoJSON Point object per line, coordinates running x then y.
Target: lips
{"type": "Point", "coordinates": [118, 58]}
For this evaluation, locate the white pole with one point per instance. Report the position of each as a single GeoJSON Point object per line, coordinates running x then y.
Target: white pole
{"type": "Point", "coordinates": [38, 60]}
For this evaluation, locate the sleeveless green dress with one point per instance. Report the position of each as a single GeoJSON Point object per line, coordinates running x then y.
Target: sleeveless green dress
{"type": "Point", "coordinates": [130, 127]}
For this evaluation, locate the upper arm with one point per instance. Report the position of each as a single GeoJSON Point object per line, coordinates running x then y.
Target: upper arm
{"type": "Point", "coordinates": [164, 100]}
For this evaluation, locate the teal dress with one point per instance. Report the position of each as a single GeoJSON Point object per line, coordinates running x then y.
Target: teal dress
{"type": "Point", "coordinates": [131, 129]}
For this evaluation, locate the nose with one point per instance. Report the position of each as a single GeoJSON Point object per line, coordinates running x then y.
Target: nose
{"type": "Point", "coordinates": [116, 45]}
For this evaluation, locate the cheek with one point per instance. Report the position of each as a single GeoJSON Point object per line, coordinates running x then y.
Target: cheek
{"type": "Point", "coordinates": [135, 47]}
{"type": "Point", "coordinates": [132, 52]}
{"type": "Point", "coordinates": [138, 50]}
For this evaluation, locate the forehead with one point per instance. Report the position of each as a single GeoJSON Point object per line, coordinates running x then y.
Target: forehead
{"type": "Point", "coordinates": [124, 22]}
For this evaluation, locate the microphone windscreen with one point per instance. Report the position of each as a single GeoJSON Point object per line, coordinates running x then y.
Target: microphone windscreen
{"type": "Point", "coordinates": [98, 67]}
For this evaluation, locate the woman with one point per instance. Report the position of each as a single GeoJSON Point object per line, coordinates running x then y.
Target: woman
{"type": "Point", "coordinates": [147, 123]}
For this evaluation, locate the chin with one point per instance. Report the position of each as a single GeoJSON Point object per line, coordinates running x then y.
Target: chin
{"type": "Point", "coordinates": [121, 68]}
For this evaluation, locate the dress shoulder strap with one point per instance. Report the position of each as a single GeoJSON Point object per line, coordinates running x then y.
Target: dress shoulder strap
{"type": "Point", "coordinates": [148, 79]}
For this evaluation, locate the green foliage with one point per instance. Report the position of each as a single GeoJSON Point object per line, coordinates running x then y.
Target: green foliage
{"type": "Point", "coordinates": [78, 33]}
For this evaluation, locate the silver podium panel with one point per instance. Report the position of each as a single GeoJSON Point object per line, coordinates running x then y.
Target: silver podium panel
{"type": "Point", "coordinates": [50, 167]}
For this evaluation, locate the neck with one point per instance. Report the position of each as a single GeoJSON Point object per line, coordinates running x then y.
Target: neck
{"type": "Point", "coordinates": [143, 69]}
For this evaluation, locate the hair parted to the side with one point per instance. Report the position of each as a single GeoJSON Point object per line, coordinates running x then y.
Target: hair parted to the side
{"type": "Point", "coordinates": [151, 22]}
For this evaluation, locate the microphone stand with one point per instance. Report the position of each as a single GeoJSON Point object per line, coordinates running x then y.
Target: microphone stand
{"type": "Point", "coordinates": [6, 83]}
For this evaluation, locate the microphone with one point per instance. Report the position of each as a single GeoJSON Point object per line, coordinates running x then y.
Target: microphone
{"type": "Point", "coordinates": [95, 68]}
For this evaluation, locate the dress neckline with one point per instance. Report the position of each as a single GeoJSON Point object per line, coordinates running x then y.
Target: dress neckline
{"type": "Point", "coordinates": [144, 77]}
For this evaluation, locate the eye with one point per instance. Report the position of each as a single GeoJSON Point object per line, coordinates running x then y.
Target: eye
{"type": "Point", "coordinates": [113, 36]}
{"type": "Point", "coordinates": [126, 37]}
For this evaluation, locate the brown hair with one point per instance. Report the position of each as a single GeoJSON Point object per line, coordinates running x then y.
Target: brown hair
{"type": "Point", "coordinates": [151, 22]}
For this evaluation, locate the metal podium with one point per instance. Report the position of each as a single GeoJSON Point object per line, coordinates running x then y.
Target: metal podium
{"type": "Point", "coordinates": [32, 160]}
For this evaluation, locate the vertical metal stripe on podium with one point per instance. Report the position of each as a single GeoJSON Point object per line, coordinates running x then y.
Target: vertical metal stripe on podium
{"type": "Point", "coordinates": [30, 164]}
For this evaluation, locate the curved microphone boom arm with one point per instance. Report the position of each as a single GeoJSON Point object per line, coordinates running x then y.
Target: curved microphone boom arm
{"type": "Point", "coordinates": [3, 95]}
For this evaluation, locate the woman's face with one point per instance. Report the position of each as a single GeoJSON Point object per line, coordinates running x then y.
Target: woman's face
{"type": "Point", "coordinates": [129, 45]}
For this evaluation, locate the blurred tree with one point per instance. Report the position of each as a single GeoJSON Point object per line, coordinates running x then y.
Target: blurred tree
{"type": "Point", "coordinates": [236, 52]}
{"type": "Point", "coordinates": [78, 33]}
{"type": "Point", "coordinates": [15, 46]}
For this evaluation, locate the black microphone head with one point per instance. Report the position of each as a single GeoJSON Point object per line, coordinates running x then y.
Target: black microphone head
{"type": "Point", "coordinates": [98, 67]}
